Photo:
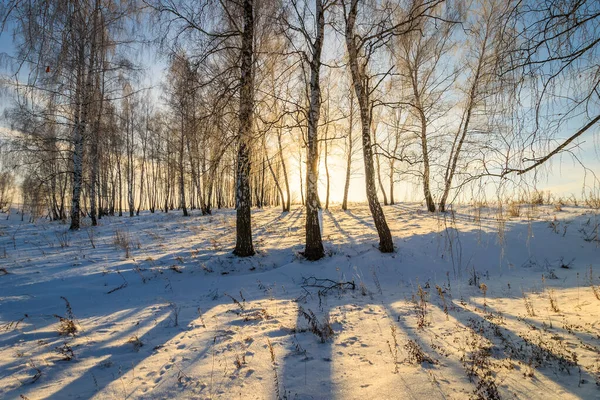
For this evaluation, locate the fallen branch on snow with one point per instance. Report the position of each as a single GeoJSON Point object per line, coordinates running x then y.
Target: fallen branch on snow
{"type": "Point", "coordinates": [326, 285]}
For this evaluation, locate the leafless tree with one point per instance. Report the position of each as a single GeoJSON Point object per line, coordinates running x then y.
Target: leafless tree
{"type": "Point", "coordinates": [555, 45]}
{"type": "Point", "coordinates": [420, 55]}
{"type": "Point", "coordinates": [313, 36]}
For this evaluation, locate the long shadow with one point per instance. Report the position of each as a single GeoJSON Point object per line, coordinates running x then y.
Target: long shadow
{"type": "Point", "coordinates": [349, 238]}
{"type": "Point", "coordinates": [308, 364]}
{"type": "Point", "coordinates": [282, 218]}
{"type": "Point", "coordinates": [123, 356]}
{"type": "Point", "coordinates": [507, 346]}
{"type": "Point", "coordinates": [50, 338]}
{"type": "Point", "coordinates": [369, 225]}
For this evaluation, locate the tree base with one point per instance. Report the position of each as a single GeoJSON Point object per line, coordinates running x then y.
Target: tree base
{"type": "Point", "coordinates": [313, 254]}
{"type": "Point", "coordinates": [244, 252]}
{"type": "Point", "coordinates": [386, 248]}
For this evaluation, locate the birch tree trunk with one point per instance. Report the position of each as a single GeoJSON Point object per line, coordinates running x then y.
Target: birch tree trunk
{"type": "Point", "coordinates": [349, 151]}
{"type": "Point", "coordinates": [181, 167]}
{"type": "Point", "coordinates": [288, 199]}
{"type": "Point", "coordinates": [392, 164]}
{"type": "Point", "coordinates": [243, 244]}
{"type": "Point", "coordinates": [463, 129]}
{"type": "Point", "coordinates": [82, 112]}
{"type": "Point", "coordinates": [426, 168]}
{"type": "Point", "coordinates": [314, 246]}
{"type": "Point", "coordinates": [360, 83]}
{"type": "Point", "coordinates": [95, 134]}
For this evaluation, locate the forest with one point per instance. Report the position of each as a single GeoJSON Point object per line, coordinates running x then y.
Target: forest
{"type": "Point", "coordinates": [226, 173]}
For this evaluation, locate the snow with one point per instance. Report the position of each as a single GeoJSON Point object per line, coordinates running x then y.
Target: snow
{"type": "Point", "coordinates": [162, 323]}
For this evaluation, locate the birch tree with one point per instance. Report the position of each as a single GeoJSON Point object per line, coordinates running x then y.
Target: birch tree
{"type": "Point", "coordinates": [313, 36]}
{"type": "Point", "coordinates": [483, 43]}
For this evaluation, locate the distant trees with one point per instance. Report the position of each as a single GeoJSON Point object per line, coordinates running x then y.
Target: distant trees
{"type": "Point", "coordinates": [182, 85]}
{"type": "Point", "coordinates": [63, 45]}
{"type": "Point", "coordinates": [350, 147]}
{"type": "Point", "coordinates": [7, 179]}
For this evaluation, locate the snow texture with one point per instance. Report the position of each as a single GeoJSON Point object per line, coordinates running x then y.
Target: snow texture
{"type": "Point", "coordinates": [469, 306]}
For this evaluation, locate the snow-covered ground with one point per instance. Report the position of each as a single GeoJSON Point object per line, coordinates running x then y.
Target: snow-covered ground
{"type": "Point", "coordinates": [466, 307]}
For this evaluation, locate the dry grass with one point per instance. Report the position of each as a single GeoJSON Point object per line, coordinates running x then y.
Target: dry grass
{"type": "Point", "coordinates": [514, 209]}
{"type": "Point", "coordinates": [553, 301]}
{"type": "Point", "coordinates": [420, 307]}
{"type": "Point", "coordinates": [393, 348]}
{"type": "Point", "coordinates": [528, 305]}
{"type": "Point", "coordinates": [416, 355]}
{"type": "Point", "coordinates": [122, 240]}
{"type": "Point", "coordinates": [322, 329]}
{"type": "Point", "coordinates": [135, 342]}
{"type": "Point", "coordinates": [592, 200]}
{"type": "Point", "coordinates": [595, 288]}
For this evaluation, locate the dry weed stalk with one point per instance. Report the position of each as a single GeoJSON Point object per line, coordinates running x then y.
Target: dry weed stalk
{"type": "Point", "coordinates": [66, 325]}
{"type": "Point", "coordinates": [528, 305]}
{"type": "Point", "coordinates": [394, 349]}
{"type": "Point", "coordinates": [420, 305]}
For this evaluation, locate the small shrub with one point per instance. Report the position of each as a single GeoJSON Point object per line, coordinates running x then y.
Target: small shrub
{"type": "Point", "coordinates": [474, 278]}
{"type": "Point", "coordinates": [553, 302]}
{"type": "Point", "coordinates": [63, 238]}
{"type": "Point", "coordinates": [38, 372]}
{"type": "Point", "coordinates": [241, 305]}
{"type": "Point", "coordinates": [12, 325]}
{"type": "Point", "coordinates": [240, 356]}
{"type": "Point", "coordinates": [592, 200]}
{"type": "Point", "coordinates": [483, 287]}
{"type": "Point", "coordinates": [66, 325]}
{"type": "Point", "coordinates": [537, 198]}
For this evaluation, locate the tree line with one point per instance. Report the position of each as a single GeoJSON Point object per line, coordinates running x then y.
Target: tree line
{"type": "Point", "coordinates": [438, 93]}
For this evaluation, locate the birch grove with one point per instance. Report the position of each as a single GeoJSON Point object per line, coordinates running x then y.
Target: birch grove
{"type": "Point", "coordinates": [268, 103]}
